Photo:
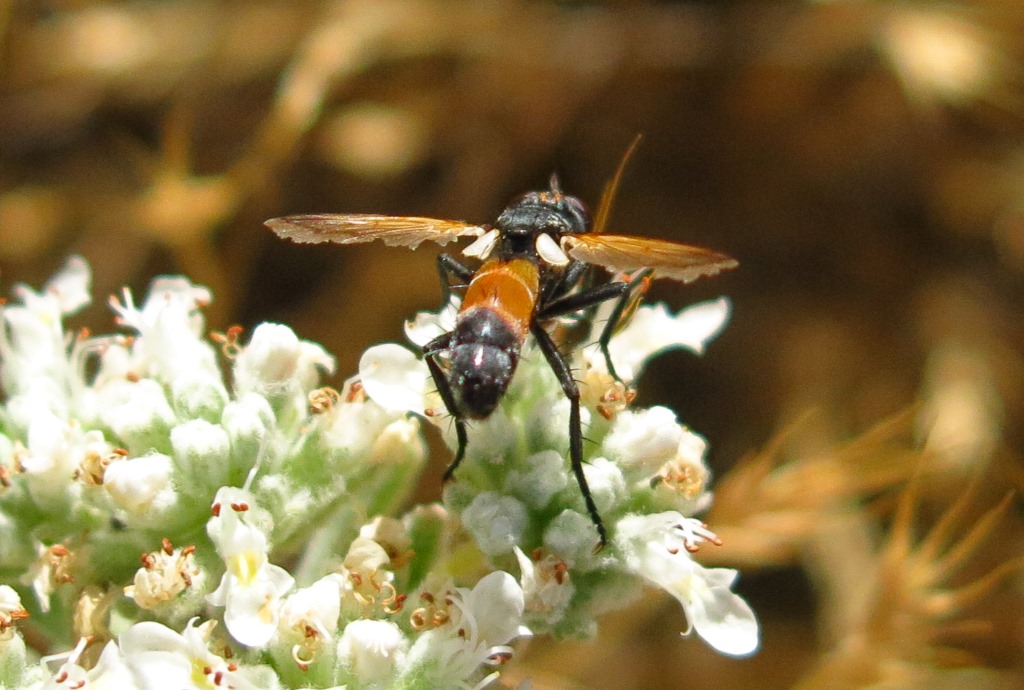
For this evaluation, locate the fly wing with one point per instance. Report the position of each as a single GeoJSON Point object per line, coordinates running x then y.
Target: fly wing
{"type": "Point", "coordinates": [353, 228]}
{"type": "Point", "coordinates": [625, 254]}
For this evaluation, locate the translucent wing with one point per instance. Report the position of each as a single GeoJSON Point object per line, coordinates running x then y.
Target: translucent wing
{"type": "Point", "coordinates": [353, 228]}
{"type": "Point", "coordinates": [622, 253]}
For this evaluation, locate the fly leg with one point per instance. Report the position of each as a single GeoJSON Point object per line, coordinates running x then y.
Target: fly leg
{"type": "Point", "coordinates": [448, 266]}
{"type": "Point", "coordinates": [624, 308]}
{"type": "Point", "coordinates": [589, 298]}
{"type": "Point", "coordinates": [560, 366]}
{"type": "Point", "coordinates": [430, 352]}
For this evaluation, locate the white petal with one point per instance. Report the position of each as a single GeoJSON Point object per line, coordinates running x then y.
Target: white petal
{"type": "Point", "coordinates": [276, 362]}
{"type": "Point", "coordinates": [372, 649]}
{"type": "Point", "coordinates": [394, 378]}
{"type": "Point", "coordinates": [653, 548]}
{"type": "Point", "coordinates": [135, 484]}
{"type": "Point", "coordinates": [644, 439]}
{"type": "Point", "coordinates": [250, 614]}
{"type": "Point", "coordinates": [429, 325]}
{"type": "Point", "coordinates": [496, 522]}
{"type": "Point", "coordinates": [71, 285]}
{"type": "Point", "coordinates": [653, 329]}
{"type": "Point", "coordinates": [719, 616]}
{"type": "Point", "coordinates": [149, 636]}
{"type": "Point", "coordinates": [497, 604]}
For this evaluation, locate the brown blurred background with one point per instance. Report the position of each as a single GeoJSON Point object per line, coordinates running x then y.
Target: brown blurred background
{"type": "Point", "coordinates": [863, 161]}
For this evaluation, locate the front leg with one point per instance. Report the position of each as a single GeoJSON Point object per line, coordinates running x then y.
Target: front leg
{"type": "Point", "coordinates": [448, 266]}
{"type": "Point", "coordinates": [562, 371]}
{"type": "Point", "coordinates": [624, 308]}
{"type": "Point", "coordinates": [430, 352]}
{"type": "Point", "coordinates": [589, 298]}
{"type": "Point", "coordinates": [627, 294]}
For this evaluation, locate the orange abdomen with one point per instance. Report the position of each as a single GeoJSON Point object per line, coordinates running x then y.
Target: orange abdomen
{"type": "Point", "coordinates": [509, 288]}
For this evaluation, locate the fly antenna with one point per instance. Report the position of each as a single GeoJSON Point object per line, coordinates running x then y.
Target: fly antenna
{"type": "Point", "coordinates": [604, 208]}
{"type": "Point", "coordinates": [556, 186]}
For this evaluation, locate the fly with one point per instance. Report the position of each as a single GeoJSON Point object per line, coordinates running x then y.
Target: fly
{"type": "Point", "coordinates": [535, 267]}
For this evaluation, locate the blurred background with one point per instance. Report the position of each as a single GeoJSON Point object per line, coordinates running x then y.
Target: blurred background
{"type": "Point", "coordinates": [863, 160]}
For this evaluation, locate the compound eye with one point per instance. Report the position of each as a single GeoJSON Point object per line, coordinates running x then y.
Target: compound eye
{"type": "Point", "coordinates": [579, 210]}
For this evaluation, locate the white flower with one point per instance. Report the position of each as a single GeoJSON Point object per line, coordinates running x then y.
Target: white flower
{"type": "Point", "coordinates": [658, 547]}
{"type": "Point", "coordinates": [607, 485]}
{"type": "Point", "coordinates": [496, 522]}
{"type": "Point", "coordinates": [201, 453]}
{"type": "Point", "coordinates": [166, 660]}
{"type": "Point", "coordinates": [653, 449]}
{"type": "Point", "coordinates": [391, 534]}
{"type": "Point", "coordinates": [316, 608]}
{"type": "Point", "coordinates": [309, 617]}
{"type": "Point", "coordinates": [398, 379]}
{"type": "Point", "coordinates": [544, 477]}
{"type": "Point", "coordinates": [366, 581]}
{"type": "Point", "coordinates": [198, 394]}
{"type": "Point", "coordinates": [429, 325]}
{"type": "Point", "coordinates": [644, 439]}
{"type": "Point", "coordinates": [571, 535]}
{"type": "Point", "coordinates": [142, 486]}
{"type": "Point", "coordinates": [251, 589]}
{"type": "Point", "coordinates": [10, 611]}
{"type": "Point", "coordinates": [475, 632]}
{"type": "Point", "coordinates": [169, 327]}
{"type": "Point", "coordinates": [547, 587]}
{"type": "Point", "coordinates": [372, 650]}
{"type": "Point", "coordinates": [652, 329]}
{"type": "Point", "coordinates": [110, 672]}
{"type": "Point", "coordinates": [164, 575]}
{"type": "Point", "coordinates": [56, 450]}
{"type": "Point", "coordinates": [65, 293]}
{"type": "Point", "coordinates": [32, 343]}
{"type": "Point", "coordinates": [395, 378]}
{"type": "Point", "coordinates": [247, 421]}
{"type": "Point", "coordinates": [53, 566]}
{"type": "Point", "coordinates": [276, 363]}
{"type": "Point", "coordinates": [361, 429]}
{"type": "Point", "coordinates": [137, 412]}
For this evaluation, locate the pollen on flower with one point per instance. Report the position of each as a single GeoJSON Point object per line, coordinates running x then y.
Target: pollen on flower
{"type": "Point", "coordinates": [229, 341]}
{"type": "Point", "coordinates": [94, 465]}
{"type": "Point", "coordinates": [353, 390]}
{"type": "Point", "coordinates": [681, 476]}
{"type": "Point", "coordinates": [368, 582]}
{"type": "Point", "coordinates": [693, 532]}
{"type": "Point", "coordinates": [323, 400]}
{"type": "Point", "coordinates": [432, 613]}
{"type": "Point", "coordinates": [91, 617]}
{"type": "Point", "coordinates": [392, 536]}
{"type": "Point", "coordinates": [164, 574]}
{"type": "Point", "coordinates": [600, 391]}
{"type": "Point", "coordinates": [11, 611]}
{"type": "Point", "coordinates": [54, 566]}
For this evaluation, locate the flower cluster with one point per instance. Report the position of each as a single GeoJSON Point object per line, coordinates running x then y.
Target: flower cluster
{"type": "Point", "coordinates": [260, 505]}
{"type": "Point", "coordinates": [517, 498]}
